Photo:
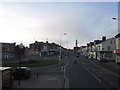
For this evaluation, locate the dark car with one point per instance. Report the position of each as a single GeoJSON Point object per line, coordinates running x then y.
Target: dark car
{"type": "Point", "coordinates": [21, 73]}
{"type": "Point", "coordinates": [103, 60]}
{"type": "Point", "coordinates": [77, 55]}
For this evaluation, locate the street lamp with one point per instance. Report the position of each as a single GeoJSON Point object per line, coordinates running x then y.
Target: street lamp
{"type": "Point", "coordinates": [67, 48]}
{"type": "Point", "coordinates": [118, 20]}
{"type": "Point", "coordinates": [60, 56]}
{"type": "Point", "coordinates": [115, 18]}
{"type": "Point", "coordinates": [20, 58]}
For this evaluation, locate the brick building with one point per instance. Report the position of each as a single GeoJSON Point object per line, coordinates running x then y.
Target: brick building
{"type": "Point", "coordinates": [8, 51]}
{"type": "Point", "coordinates": [44, 48]}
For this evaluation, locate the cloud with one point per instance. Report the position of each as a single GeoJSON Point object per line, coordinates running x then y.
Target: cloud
{"type": "Point", "coordinates": [16, 26]}
{"type": "Point", "coordinates": [82, 23]}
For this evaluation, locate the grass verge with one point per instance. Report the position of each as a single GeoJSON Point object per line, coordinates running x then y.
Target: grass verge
{"type": "Point", "coordinates": [32, 63]}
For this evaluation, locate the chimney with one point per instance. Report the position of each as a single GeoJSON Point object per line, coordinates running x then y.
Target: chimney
{"type": "Point", "coordinates": [103, 38]}
{"type": "Point", "coordinates": [14, 43]}
{"type": "Point", "coordinates": [36, 41]}
{"type": "Point", "coordinates": [46, 41]}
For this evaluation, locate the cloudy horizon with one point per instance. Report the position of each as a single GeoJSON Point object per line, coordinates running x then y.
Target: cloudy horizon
{"type": "Point", "coordinates": [27, 22]}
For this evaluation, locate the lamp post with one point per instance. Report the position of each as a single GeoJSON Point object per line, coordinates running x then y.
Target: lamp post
{"type": "Point", "coordinates": [60, 55]}
{"type": "Point", "coordinates": [118, 21]}
{"type": "Point", "coordinates": [67, 48]}
{"type": "Point", "coordinates": [20, 58]}
{"type": "Point", "coordinates": [116, 54]}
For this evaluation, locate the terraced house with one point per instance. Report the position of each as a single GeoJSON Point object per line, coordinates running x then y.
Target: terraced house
{"type": "Point", "coordinates": [117, 49]}
{"type": "Point", "coordinates": [44, 48]}
{"type": "Point", "coordinates": [105, 49]}
{"type": "Point", "coordinates": [100, 49]}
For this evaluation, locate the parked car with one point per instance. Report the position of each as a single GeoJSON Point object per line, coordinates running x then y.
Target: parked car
{"type": "Point", "coordinates": [77, 55]}
{"type": "Point", "coordinates": [103, 60]}
{"type": "Point", "coordinates": [21, 73]}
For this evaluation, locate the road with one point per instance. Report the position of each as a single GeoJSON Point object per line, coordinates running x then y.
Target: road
{"type": "Point", "coordinates": [91, 74]}
{"type": "Point", "coordinates": [79, 77]}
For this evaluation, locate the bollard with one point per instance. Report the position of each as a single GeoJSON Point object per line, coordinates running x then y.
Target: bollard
{"type": "Point", "coordinates": [37, 75]}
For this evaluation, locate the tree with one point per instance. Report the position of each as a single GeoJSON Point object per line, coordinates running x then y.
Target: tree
{"type": "Point", "coordinates": [19, 52]}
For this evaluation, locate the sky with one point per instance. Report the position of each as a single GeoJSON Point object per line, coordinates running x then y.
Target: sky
{"type": "Point", "coordinates": [27, 22]}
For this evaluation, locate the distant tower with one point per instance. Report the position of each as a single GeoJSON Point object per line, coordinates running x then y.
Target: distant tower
{"type": "Point", "coordinates": [76, 48]}
{"type": "Point", "coordinates": [76, 44]}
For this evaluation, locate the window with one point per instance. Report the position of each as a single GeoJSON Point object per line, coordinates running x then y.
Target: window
{"type": "Point", "coordinates": [108, 55]}
{"type": "Point", "coordinates": [111, 41]}
{"type": "Point", "coordinates": [102, 48]}
{"type": "Point", "coordinates": [108, 48]}
{"type": "Point", "coordinates": [99, 48]}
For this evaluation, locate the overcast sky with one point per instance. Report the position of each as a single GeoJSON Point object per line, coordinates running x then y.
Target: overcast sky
{"type": "Point", "coordinates": [27, 22]}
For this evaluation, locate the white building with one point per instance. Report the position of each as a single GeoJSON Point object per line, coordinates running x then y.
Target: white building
{"type": "Point", "coordinates": [106, 49]}
{"type": "Point", "coordinates": [96, 48]}
{"type": "Point", "coordinates": [90, 49]}
{"type": "Point", "coordinates": [83, 50]}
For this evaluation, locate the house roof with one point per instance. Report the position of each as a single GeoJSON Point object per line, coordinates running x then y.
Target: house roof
{"type": "Point", "coordinates": [83, 46]}
{"type": "Point", "coordinates": [117, 36]}
{"type": "Point", "coordinates": [91, 43]}
{"type": "Point", "coordinates": [88, 44]}
{"type": "Point", "coordinates": [97, 41]}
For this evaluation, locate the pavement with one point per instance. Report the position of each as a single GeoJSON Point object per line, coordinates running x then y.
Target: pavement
{"type": "Point", "coordinates": [43, 81]}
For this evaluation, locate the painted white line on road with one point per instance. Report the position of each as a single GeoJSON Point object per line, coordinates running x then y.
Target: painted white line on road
{"type": "Point", "coordinates": [61, 68]}
{"type": "Point", "coordinates": [64, 71]}
{"type": "Point", "coordinates": [67, 63]}
{"type": "Point", "coordinates": [85, 68]}
{"type": "Point", "coordinates": [64, 68]}
{"type": "Point", "coordinates": [96, 78]}
{"type": "Point", "coordinates": [66, 82]}
{"type": "Point", "coordinates": [92, 74]}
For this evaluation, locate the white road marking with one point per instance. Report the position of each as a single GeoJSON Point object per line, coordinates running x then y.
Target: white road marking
{"type": "Point", "coordinates": [85, 68]}
{"type": "Point", "coordinates": [66, 82]}
{"type": "Point", "coordinates": [96, 78]}
{"type": "Point", "coordinates": [64, 68]}
{"type": "Point", "coordinates": [64, 71]}
{"type": "Point", "coordinates": [67, 63]}
{"type": "Point", "coordinates": [61, 68]}
{"type": "Point", "coordinates": [92, 74]}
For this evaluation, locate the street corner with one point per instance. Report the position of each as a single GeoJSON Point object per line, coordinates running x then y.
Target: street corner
{"type": "Point", "coordinates": [43, 81]}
